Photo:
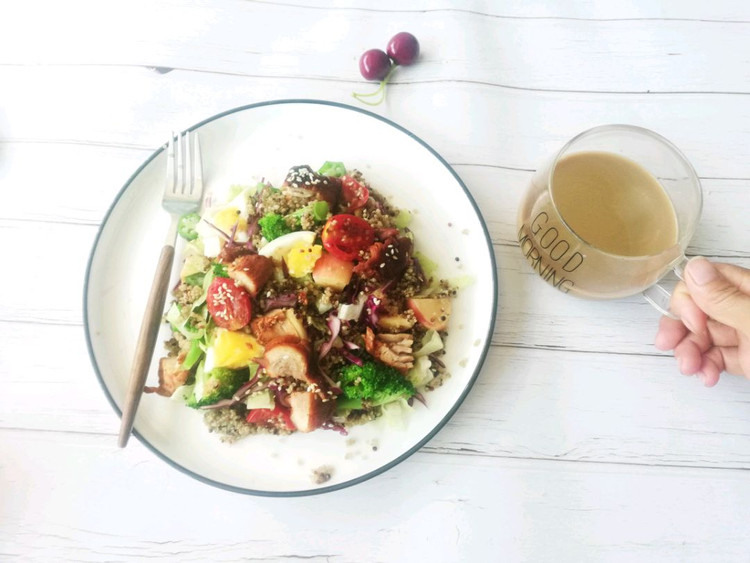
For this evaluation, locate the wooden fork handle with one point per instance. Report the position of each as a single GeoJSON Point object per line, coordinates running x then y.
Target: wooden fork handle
{"type": "Point", "coordinates": [144, 349]}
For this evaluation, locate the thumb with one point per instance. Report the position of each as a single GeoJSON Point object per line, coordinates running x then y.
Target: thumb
{"type": "Point", "coordinates": [717, 290]}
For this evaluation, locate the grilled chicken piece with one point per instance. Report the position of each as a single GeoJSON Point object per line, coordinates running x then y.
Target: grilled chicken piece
{"type": "Point", "coordinates": [308, 410]}
{"type": "Point", "coordinates": [324, 187]}
{"type": "Point", "coordinates": [287, 356]}
{"type": "Point", "coordinates": [387, 260]}
{"type": "Point", "coordinates": [231, 252]}
{"type": "Point", "coordinates": [279, 322]}
{"type": "Point", "coordinates": [394, 350]}
{"type": "Point", "coordinates": [251, 272]}
{"type": "Point", "coordinates": [171, 376]}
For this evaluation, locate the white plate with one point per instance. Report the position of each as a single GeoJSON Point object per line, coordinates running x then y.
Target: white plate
{"type": "Point", "coordinates": [266, 140]}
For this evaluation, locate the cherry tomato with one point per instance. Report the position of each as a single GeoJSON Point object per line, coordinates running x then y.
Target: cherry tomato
{"type": "Point", "coordinates": [228, 304]}
{"type": "Point", "coordinates": [355, 193]}
{"type": "Point", "coordinates": [268, 417]}
{"type": "Point", "coordinates": [345, 236]}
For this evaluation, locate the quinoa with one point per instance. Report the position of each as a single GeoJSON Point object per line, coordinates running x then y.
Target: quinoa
{"type": "Point", "coordinates": [186, 294]}
{"type": "Point", "coordinates": [384, 272]}
{"type": "Point", "coordinates": [172, 346]}
{"type": "Point", "coordinates": [437, 381]}
{"type": "Point", "coordinates": [229, 423]}
{"type": "Point", "coordinates": [285, 200]}
{"type": "Point", "coordinates": [322, 474]}
{"type": "Point", "coordinates": [411, 283]}
{"type": "Point", "coordinates": [377, 217]}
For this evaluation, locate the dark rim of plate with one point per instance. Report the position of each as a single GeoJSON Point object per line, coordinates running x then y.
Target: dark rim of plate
{"type": "Point", "coordinates": [380, 469]}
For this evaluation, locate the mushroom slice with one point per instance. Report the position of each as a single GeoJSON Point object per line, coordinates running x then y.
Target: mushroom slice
{"type": "Point", "coordinates": [394, 350]}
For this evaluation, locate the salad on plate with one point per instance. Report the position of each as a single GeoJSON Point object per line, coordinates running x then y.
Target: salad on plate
{"type": "Point", "coordinates": [302, 307]}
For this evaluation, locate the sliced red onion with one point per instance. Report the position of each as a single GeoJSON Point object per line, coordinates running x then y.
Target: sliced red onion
{"type": "Point", "coordinates": [328, 425]}
{"type": "Point", "coordinates": [283, 300]}
{"type": "Point", "coordinates": [220, 405]}
{"type": "Point", "coordinates": [222, 233]}
{"type": "Point", "coordinates": [372, 312]}
{"type": "Point", "coordinates": [279, 393]}
{"type": "Point", "coordinates": [350, 345]}
{"type": "Point", "coordinates": [245, 390]}
{"type": "Point", "coordinates": [385, 287]}
{"type": "Point", "coordinates": [334, 325]}
{"type": "Point", "coordinates": [252, 227]}
{"type": "Point", "coordinates": [352, 358]}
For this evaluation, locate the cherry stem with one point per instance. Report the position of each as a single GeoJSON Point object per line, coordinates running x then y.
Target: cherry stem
{"type": "Point", "coordinates": [380, 91]}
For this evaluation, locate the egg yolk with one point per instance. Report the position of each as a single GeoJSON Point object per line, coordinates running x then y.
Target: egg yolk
{"type": "Point", "coordinates": [235, 350]}
{"type": "Point", "coordinates": [227, 218]}
{"type": "Point", "coordinates": [301, 259]}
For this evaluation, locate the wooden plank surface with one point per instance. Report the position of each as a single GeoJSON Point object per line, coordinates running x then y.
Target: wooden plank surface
{"type": "Point", "coordinates": [434, 507]}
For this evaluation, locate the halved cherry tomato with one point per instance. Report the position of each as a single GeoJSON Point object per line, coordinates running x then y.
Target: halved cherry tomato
{"type": "Point", "coordinates": [345, 236]}
{"type": "Point", "coordinates": [269, 417]}
{"type": "Point", "coordinates": [355, 193]}
{"type": "Point", "coordinates": [228, 304]}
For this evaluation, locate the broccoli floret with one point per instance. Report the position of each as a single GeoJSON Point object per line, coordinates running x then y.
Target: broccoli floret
{"type": "Point", "coordinates": [215, 385]}
{"type": "Point", "coordinates": [374, 382]}
{"type": "Point", "coordinates": [273, 226]}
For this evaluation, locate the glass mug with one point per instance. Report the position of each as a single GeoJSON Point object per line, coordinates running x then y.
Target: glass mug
{"type": "Point", "coordinates": [611, 215]}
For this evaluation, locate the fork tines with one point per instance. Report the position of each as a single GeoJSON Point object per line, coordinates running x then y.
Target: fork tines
{"type": "Point", "coordinates": [184, 170]}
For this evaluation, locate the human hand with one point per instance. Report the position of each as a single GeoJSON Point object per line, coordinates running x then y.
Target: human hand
{"type": "Point", "coordinates": [713, 333]}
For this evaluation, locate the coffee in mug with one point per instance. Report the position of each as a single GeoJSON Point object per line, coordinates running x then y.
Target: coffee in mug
{"type": "Point", "coordinates": [611, 214]}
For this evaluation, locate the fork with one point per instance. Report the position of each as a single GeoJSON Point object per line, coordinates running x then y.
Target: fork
{"type": "Point", "coordinates": [183, 192]}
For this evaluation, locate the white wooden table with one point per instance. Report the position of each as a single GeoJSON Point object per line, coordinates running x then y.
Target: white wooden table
{"type": "Point", "coordinates": [579, 440]}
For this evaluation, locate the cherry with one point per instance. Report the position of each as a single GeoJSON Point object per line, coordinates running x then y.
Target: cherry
{"type": "Point", "coordinates": [374, 64]}
{"type": "Point", "coordinates": [403, 48]}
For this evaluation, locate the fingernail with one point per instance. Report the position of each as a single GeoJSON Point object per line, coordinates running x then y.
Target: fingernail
{"type": "Point", "coordinates": [701, 271]}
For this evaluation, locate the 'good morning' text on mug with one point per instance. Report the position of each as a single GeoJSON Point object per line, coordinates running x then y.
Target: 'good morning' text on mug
{"type": "Point", "coordinates": [549, 253]}
{"type": "Point", "coordinates": [598, 225]}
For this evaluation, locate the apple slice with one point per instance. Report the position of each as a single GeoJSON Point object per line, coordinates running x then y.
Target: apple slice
{"type": "Point", "coordinates": [395, 323]}
{"type": "Point", "coordinates": [332, 272]}
{"type": "Point", "coordinates": [431, 312]}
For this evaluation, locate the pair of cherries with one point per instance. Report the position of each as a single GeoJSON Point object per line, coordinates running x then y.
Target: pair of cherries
{"type": "Point", "coordinates": [375, 64]}
{"type": "Point", "coordinates": [402, 49]}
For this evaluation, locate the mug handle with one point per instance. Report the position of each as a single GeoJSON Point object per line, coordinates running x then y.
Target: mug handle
{"type": "Point", "coordinates": [659, 296]}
